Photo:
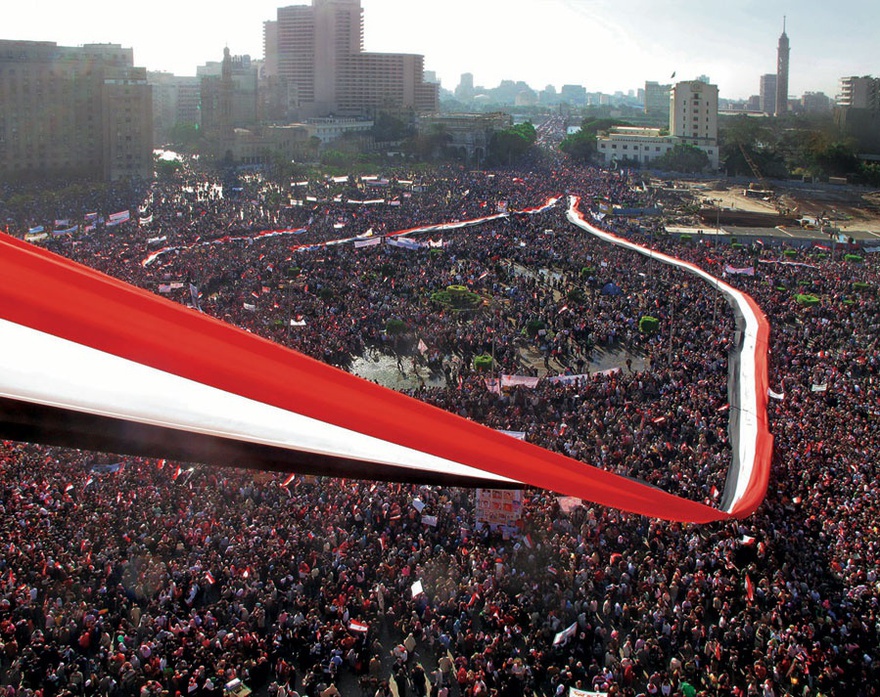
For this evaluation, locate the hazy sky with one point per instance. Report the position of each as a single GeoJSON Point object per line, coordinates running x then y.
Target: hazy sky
{"type": "Point", "coordinates": [604, 45]}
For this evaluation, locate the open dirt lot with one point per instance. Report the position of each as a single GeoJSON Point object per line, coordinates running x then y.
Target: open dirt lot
{"type": "Point", "coordinates": [794, 209]}
{"type": "Point", "coordinates": [847, 207]}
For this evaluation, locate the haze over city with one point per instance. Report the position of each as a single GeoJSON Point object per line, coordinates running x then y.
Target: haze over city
{"type": "Point", "coordinates": [600, 44]}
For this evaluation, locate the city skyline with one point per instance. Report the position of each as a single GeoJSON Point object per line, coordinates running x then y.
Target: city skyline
{"type": "Point", "coordinates": [539, 42]}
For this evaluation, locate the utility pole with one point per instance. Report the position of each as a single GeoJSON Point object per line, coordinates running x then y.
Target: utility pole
{"type": "Point", "coordinates": [289, 309]}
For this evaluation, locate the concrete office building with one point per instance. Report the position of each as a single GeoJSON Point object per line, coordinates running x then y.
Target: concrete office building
{"type": "Point", "coordinates": [857, 113]}
{"type": "Point", "coordinates": [464, 91]}
{"type": "Point", "coordinates": [316, 52]}
{"type": "Point", "coordinates": [657, 100]}
{"type": "Point", "coordinates": [576, 95]}
{"type": "Point", "coordinates": [693, 114]}
{"type": "Point", "coordinates": [176, 101]}
{"type": "Point", "coordinates": [628, 144]}
{"type": "Point", "coordinates": [767, 94]}
{"type": "Point", "coordinates": [468, 134]}
{"type": "Point", "coordinates": [815, 103]}
{"type": "Point", "coordinates": [693, 120]}
{"type": "Point", "coordinates": [859, 92]}
{"type": "Point", "coordinates": [73, 111]}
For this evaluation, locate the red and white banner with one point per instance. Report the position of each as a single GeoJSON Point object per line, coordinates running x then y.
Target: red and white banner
{"type": "Point", "coordinates": [751, 440]}
{"type": "Point", "coordinates": [119, 217]}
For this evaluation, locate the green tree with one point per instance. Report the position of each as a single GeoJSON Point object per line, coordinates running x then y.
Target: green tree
{"type": "Point", "coordinates": [683, 158]}
{"type": "Point", "coordinates": [595, 126]}
{"type": "Point", "coordinates": [430, 145]}
{"type": "Point", "coordinates": [582, 145]}
{"type": "Point", "coordinates": [387, 127]}
{"type": "Point", "coordinates": [336, 158]}
{"type": "Point", "coordinates": [167, 169]}
{"type": "Point", "coordinates": [869, 173]}
{"type": "Point", "coordinates": [280, 168]}
{"type": "Point", "coordinates": [507, 146]}
{"type": "Point", "coordinates": [835, 159]}
{"type": "Point", "coordinates": [184, 136]}
{"type": "Point", "coordinates": [579, 146]}
{"type": "Point", "coordinates": [757, 137]}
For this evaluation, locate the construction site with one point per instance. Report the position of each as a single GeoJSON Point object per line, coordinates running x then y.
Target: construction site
{"type": "Point", "coordinates": [787, 209]}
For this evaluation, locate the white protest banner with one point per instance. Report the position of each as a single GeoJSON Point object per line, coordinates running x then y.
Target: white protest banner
{"type": "Point", "coordinates": [370, 242]}
{"type": "Point", "coordinates": [565, 635]}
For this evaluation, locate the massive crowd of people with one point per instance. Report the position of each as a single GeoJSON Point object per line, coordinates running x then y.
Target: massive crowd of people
{"type": "Point", "coordinates": [128, 576]}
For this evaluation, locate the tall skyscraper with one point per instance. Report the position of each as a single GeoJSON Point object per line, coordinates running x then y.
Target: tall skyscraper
{"type": "Point", "coordinates": [782, 51]}
{"type": "Point", "coordinates": [318, 53]}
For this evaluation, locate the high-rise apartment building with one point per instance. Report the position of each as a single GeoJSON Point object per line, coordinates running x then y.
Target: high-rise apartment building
{"type": "Point", "coordinates": [576, 95]}
{"type": "Point", "coordinates": [176, 102]}
{"type": "Point", "coordinates": [464, 91]}
{"type": "Point", "coordinates": [84, 111]}
{"type": "Point", "coordinates": [859, 92]}
{"type": "Point", "coordinates": [857, 113]}
{"type": "Point", "coordinates": [782, 51]}
{"type": "Point", "coordinates": [657, 100]}
{"type": "Point", "coordinates": [815, 103]}
{"type": "Point", "coordinates": [767, 94]}
{"type": "Point", "coordinates": [316, 52]}
{"type": "Point", "coordinates": [693, 114]}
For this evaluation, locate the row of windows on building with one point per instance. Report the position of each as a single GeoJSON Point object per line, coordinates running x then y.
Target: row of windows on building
{"type": "Point", "coordinates": [645, 148]}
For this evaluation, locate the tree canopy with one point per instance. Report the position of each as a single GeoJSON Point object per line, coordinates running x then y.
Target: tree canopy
{"type": "Point", "coordinates": [582, 145]}
{"type": "Point", "coordinates": [510, 144]}
{"type": "Point", "coordinates": [683, 158]}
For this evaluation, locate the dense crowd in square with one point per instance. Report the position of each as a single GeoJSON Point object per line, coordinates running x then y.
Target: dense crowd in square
{"type": "Point", "coordinates": [157, 578]}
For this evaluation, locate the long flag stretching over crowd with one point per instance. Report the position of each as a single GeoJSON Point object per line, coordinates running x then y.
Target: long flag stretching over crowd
{"type": "Point", "coordinates": [748, 386]}
{"type": "Point", "coordinates": [92, 362]}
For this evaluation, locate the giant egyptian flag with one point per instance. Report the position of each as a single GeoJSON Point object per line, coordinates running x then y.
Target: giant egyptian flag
{"type": "Point", "coordinates": [89, 361]}
{"type": "Point", "coordinates": [747, 386]}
